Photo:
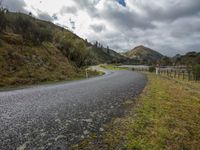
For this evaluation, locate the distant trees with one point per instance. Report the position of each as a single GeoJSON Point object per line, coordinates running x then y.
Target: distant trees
{"type": "Point", "coordinates": [166, 61]}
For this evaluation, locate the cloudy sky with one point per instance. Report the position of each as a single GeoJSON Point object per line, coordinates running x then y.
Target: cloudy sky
{"type": "Point", "coordinates": [168, 26]}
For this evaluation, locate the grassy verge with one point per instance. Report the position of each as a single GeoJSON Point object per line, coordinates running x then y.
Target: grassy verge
{"type": "Point", "coordinates": [165, 116]}
{"type": "Point", "coordinates": [112, 67]}
{"type": "Point", "coordinates": [81, 75]}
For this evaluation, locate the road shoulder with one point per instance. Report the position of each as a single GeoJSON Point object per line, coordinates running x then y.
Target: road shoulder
{"type": "Point", "coordinates": [165, 116]}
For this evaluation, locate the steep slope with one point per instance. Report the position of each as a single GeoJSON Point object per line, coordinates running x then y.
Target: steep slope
{"type": "Point", "coordinates": [144, 54]}
{"type": "Point", "coordinates": [33, 51]}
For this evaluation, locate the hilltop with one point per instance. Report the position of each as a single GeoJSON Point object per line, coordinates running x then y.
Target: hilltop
{"type": "Point", "coordinates": [33, 51]}
{"type": "Point", "coordinates": [144, 55]}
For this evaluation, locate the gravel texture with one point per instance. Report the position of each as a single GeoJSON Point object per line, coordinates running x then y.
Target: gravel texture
{"type": "Point", "coordinates": [57, 116]}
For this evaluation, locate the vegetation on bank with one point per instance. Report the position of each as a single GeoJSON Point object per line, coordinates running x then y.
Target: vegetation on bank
{"type": "Point", "coordinates": [34, 51]}
{"type": "Point", "coordinates": [112, 67]}
{"type": "Point", "coordinates": [165, 116]}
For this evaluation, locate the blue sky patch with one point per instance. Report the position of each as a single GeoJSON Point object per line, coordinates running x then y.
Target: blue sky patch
{"type": "Point", "coordinates": [122, 2]}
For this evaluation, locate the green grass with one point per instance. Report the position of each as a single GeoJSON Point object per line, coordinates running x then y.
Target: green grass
{"type": "Point", "coordinates": [81, 76]}
{"type": "Point", "coordinates": [165, 116]}
{"type": "Point", "coordinates": [112, 67]}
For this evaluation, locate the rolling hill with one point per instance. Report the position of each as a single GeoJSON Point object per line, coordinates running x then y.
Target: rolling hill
{"type": "Point", "coordinates": [143, 55]}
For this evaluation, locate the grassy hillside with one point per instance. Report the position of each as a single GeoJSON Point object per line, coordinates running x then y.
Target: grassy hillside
{"type": "Point", "coordinates": [144, 55]}
{"type": "Point", "coordinates": [33, 51]}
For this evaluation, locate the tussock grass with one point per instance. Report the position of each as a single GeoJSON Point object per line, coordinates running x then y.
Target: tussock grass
{"type": "Point", "coordinates": [166, 116]}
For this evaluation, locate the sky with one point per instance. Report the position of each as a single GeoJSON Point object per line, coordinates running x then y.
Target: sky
{"type": "Point", "coordinates": [168, 26]}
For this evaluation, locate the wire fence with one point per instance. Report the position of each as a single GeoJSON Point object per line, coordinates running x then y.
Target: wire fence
{"type": "Point", "coordinates": [184, 74]}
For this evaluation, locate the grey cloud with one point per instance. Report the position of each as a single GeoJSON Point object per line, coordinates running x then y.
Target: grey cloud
{"type": "Point", "coordinates": [70, 10]}
{"type": "Point", "coordinates": [88, 6]}
{"type": "Point", "coordinates": [126, 19]}
{"type": "Point", "coordinates": [173, 10]}
{"type": "Point", "coordinates": [14, 5]}
{"type": "Point", "coordinates": [186, 27]}
{"type": "Point", "coordinates": [123, 18]}
{"type": "Point", "coordinates": [98, 28]}
{"type": "Point", "coordinates": [44, 16]}
{"type": "Point", "coordinates": [55, 17]}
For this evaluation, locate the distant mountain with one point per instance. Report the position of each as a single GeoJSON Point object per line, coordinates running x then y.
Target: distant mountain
{"type": "Point", "coordinates": [144, 55]}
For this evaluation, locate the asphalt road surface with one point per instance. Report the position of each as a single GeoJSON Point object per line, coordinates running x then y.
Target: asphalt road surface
{"type": "Point", "coordinates": [59, 115]}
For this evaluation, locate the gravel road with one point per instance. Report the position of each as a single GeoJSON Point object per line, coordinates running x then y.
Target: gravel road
{"type": "Point", "coordinates": [59, 115]}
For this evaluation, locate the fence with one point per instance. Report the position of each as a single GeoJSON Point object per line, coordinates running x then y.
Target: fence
{"type": "Point", "coordinates": [180, 72]}
{"type": "Point", "coordinates": [184, 74]}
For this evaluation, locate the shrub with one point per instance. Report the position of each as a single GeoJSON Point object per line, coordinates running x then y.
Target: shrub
{"type": "Point", "coordinates": [32, 31]}
{"type": "Point", "coordinates": [196, 72]}
{"type": "Point", "coordinates": [152, 69]}
{"type": "Point", "coordinates": [65, 45]}
{"type": "Point", "coordinates": [45, 35]}
{"type": "Point", "coordinates": [22, 24]}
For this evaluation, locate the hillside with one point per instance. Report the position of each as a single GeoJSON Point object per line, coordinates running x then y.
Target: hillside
{"type": "Point", "coordinates": [144, 55]}
{"type": "Point", "coordinates": [190, 58]}
{"type": "Point", "coordinates": [33, 51]}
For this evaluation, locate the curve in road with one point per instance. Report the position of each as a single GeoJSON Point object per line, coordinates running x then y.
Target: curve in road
{"type": "Point", "coordinates": [59, 115]}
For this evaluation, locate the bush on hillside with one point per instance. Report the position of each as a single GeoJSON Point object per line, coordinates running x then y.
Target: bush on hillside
{"type": "Point", "coordinates": [65, 45]}
{"type": "Point", "coordinates": [32, 31]}
{"type": "Point", "coordinates": [45, 35]}
{"type": "Point", "coordinates": [152, 69]}
{"type": "Point", "coordinates": [75, 50]}
{"type": "Point", "coordinates": [196, 72]}
{"type": "Point", "coordinates": [81, 53]}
